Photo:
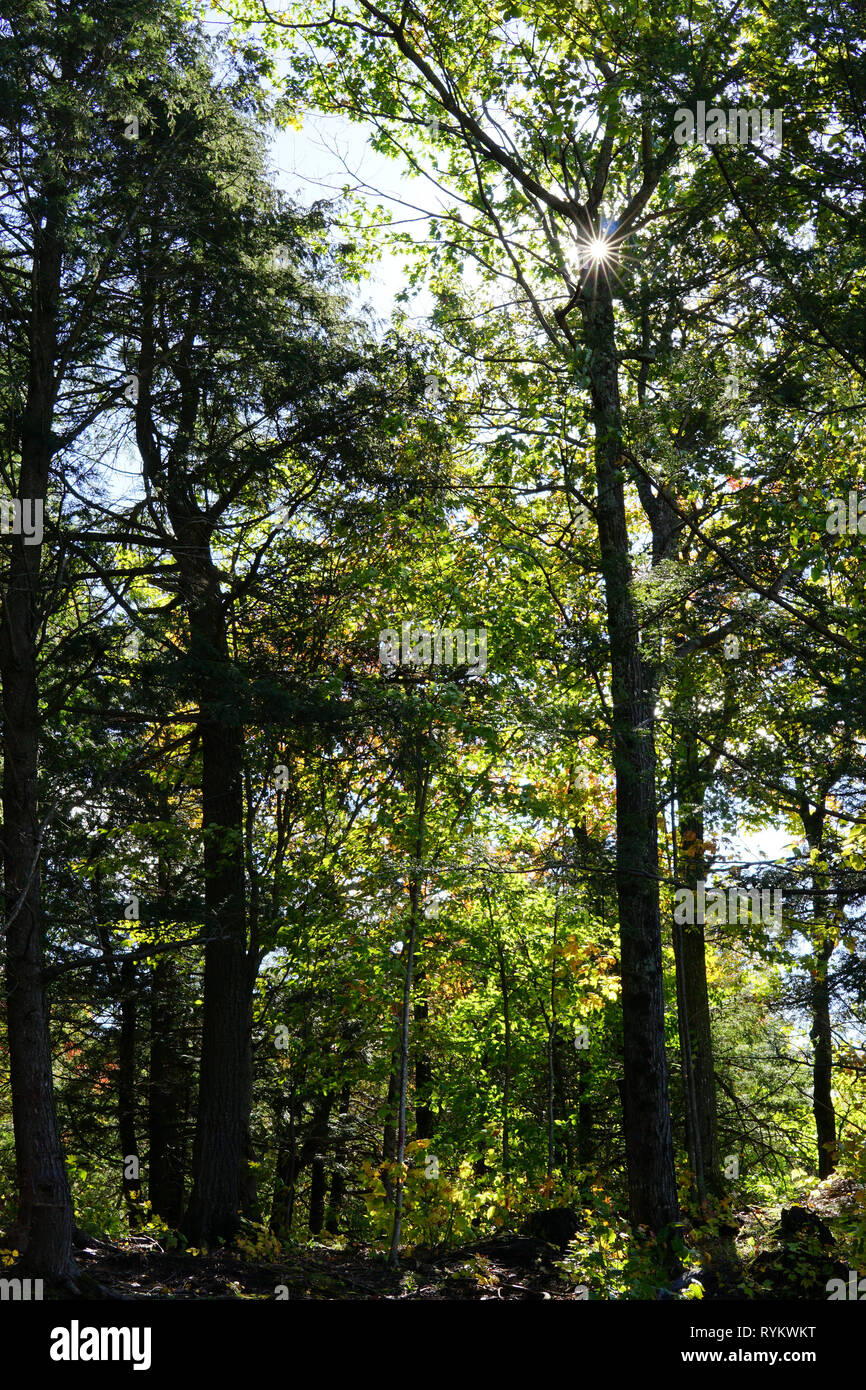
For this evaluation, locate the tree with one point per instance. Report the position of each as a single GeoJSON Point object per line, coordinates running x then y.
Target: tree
{"type": "Point", "coordinates": [63, 207]}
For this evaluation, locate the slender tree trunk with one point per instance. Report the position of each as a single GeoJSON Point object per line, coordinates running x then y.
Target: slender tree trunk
{"type": "Point", "coordinates": [550, 1021]}
{"type": "Point", "coordinates": [338, 1176]}
{"type": "Point", "coordinates": [317, 1148]}
{"type": "Point", "coordinates": [693, 1001]}
{"type": "Point", "coordinates": [285, 1176]}
{"type": "Point", "coordinates": [821, 1032]}
{"type": "Point", "coordinates": [126, 1099]}
{"type": "Point", "coordinates": [587, 856]}
{"type": "Point", "coordinates": [565, 1147]}
{"type": "Point", "coordinates": [168, 1094]}
{"type": "Point", "coordinates": [647, 1120]}
{"type": "Point", "coordinates": [414, 896]}
{"type": "Point", "coordinates": [585, 1139]}
{"type": "Point", "coordinates": [506, 1081]}
{"type": "Point", "coordinates": [551, 1093]}
{"type": "Point", "coordinates": [822, 1070]}
{"type": "Point", "coordinates": [421, 786]}
{"type": "Point", "coordinates": [389, 1131]}
{"type": "Point", "coordinates": [423, 1065]}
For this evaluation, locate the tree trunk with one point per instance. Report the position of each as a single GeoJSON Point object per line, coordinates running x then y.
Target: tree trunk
{"type": "Point", "coordinates": [316, 1148]}
{"type": "Point", "coordinates": [822, 1069]}
{"type": "Point", "coordinates": [423, 1065]}
{"type": "Point", "coordinates": [506, 1081]}
{"type": "Point", "coordinates": [693, 1002]}
{"type": "Point", "coordinates": [585, 1138]}
{"type": "Point", "coordinates": [285, 1176]}
{"type": "Point", "coordinates": [168, 1093]}
{"type": "Point", "coordinates": [126, 1091]}
{"type": "Point", "coordinates": [338, 1177]}
{"type": "Point", "coordinates": [389, 1130]}
{"type": "Point", "coordinates": [220, 1150]}
{"type": "Point", "coordinates": [821, 1033]}
{"type": "Point", "coordinates": [45, 1217]}
{"type": "Point", "coordinates": [646, 1118]}
{"type": "Point", "coordinates": [225, 1078]}
{"type": "Point", "coordinates": [403, 1085]}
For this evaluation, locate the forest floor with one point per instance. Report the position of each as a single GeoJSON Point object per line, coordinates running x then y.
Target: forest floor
{"type": "Point", "coordinates": [137, 1269]}
{"type": "Point", "coordinates": [506, 1266]}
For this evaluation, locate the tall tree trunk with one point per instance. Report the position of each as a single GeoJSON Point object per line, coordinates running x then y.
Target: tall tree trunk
{"type": "Point", "coordinates": [126, 1106]}
{"type": "Point", "coordinates": [693, 1001]}
{"type": "Point", "coordinates": [225, 1076]}
{"type": "Point", "coordinates": [389, 1129]}
{"type": "Point", "coordinates": [423, 1064]}
{"type": "Point", "coordinates": [506, 1081]}
{"type": "Point", "coordinates": [821, 1032]}
{"type": "Point", "coordinates": [564, 1143]}
{"type": "Point", "coordinates": [316, 1148]}
{"type": "Point", "coordinates": [585, 1138]}
{"type": "Point", "coordinates": [45, 1217]}
{"type": "Point", "coordinates": [285, 1175]}
{"type": "Point", "coordinates": [550, 1022]}
{"type": "Point", "coordinates": [403, 1084]}
{"type": "Point", "coordinates": [338, 1176]}
{"type": "Point", "coordinates": [822, 1068]}
{"type": "Point", "coordinates": [167, 1092]}
{"type": "Point", "coordinates": [647, 1120]}
{"type": "Point", "coordinates": [220, 1150]}
{"type": "Point", "coordinates": [422, 783]}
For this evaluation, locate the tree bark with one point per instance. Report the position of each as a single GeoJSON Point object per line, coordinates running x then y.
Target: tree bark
{"type": "Point", "coordinates": [225, 1076]}
{"type": "Point", "coordinates": [338, 1177]}
{"type": "Point", "coordinates": [403, 1085]}
{"type": "Point", "coordinates": [285, 1176]}
{"type": "Point", "coordinates": [220, 1150]}
{"type": "Point", "coordinates": [506, 1080]}
{"type": "Point", "coordinates": [585, 1137]}
{"type": "Point", "coordinates": [316, 1148]}
{"type": "Point", "coordinates": [821, 1033]}
{"type": "Point", "coordinates": [167, 1099]}
{"type": "Point", "coordinates": [647, 1120]}
{"type": "Point", "coordinates": [822, 1069]}
{"type": "Point", "coordinates": [422, 783]}
{"type": "Point", "coordinates": [126, 1099]}
{"type": "Point", "coordinates": [45, 1217]}
{"type": "Point", "coordinates": [693, 1002]}
{"type": "Point", "coordinates": [389, 1129]}
{"type": "Point", "coordinates": [423, 1065]}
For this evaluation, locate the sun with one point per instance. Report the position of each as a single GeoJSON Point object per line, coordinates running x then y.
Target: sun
{"type": "Point", "coordinates": [599, 249]}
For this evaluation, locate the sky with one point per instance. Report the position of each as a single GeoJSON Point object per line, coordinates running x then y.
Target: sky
{"type": "Point", "coordinates": [326, 155]}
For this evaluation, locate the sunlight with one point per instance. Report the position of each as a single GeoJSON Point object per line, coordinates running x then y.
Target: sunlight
{"type": "Point", "coordinates": [599, 249]}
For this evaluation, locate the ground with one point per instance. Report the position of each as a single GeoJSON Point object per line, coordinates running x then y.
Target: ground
{"type": "Point", "coordinates": [505, 1266]}
{"type": "Point", "coordinates": [138, 1269]}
